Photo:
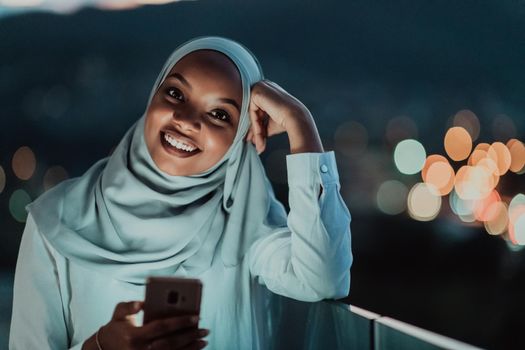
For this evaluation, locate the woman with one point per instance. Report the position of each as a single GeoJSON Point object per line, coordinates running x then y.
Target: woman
{"type": "Point", "coordinates": [185, 194]}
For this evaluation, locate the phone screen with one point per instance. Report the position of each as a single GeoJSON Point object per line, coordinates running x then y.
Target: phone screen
{"type": "Point", "coordinates": [171, 296]}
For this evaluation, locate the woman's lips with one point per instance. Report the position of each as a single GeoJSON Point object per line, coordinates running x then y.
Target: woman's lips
{"type": "Point", "coordinates": [175, 151]}
{"type": "Point", "coordinates": [180, 137]}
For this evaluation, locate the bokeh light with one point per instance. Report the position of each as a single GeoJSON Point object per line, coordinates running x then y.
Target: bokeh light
{"type": "Point", "coordinates": [24, 163]}
{"type": "Point", "coordinates": [503, 127]}
{"type": "Point", "coordinates": [2, 179]}
{"type": "Point", "coordinates": [458, 143]}
{"type": "Point", "coordinates": [438, 172]}
{"type": "Point", "coordinates": [483, 146]}
{"type": "Point", "coordinates": [53, 176]}
{"type": "Point", "coordinates": [400, 128]}
{"type": "Point", "coordinates": [351, 138]}
{"type": "Point", "coordinates": [409, 156]}
{"type": "Point", "coordinates": [473, 182]}
{"type": "Point", "coordinates": [392, 197]}
{"type": "Point", "coordinates": [497, 224]}
{"type": "Point", "coordinates": [516, 213]}
{"type": "Point", "coordinates": [17, 202]}
{"type": "Point", "coordinates": [481, 206]}
{"type": "Point", "coordinates": [424, 202]}
{"type": "Point", "coordinates": [519, 228]}
{"type": "Point", "coordinates": [466, 119]}
{"type": "Point", "coordinates": [500, 154]}
{"type": "Point", "coordinates": [476, 156]}
{"type": "Point", "coordinates": [517, 153]}
{"type": "Point", "coordinates": [464, 209]}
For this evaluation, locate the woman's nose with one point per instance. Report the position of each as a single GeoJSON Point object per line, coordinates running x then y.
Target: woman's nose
{"type": "Point", "coordinates": [187, 119]}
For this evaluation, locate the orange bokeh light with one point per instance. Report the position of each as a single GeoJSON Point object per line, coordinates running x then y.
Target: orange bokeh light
{"type": "Point", "coordinates": [439, 173]}
{"type": "Point", "coordinates": [458, 143]}
{"type": "Point", "coordinates": [482, 147]}
{"type": "Point", "coordinates": [514, 215]}
{"type": "Point", "coordinates": [473, 182]}
{"type": "Point", "coordinates": [24, 163]}
{"type": "Point", "coordinates": [499, 218]}
{"type": "Point", "coordinates": [500, 154]}
{"type": "Point", "coordinates": [517, 153]}
{"type": "Point", "coordinates": [466, 119]}
{"type": "Point", "coordinates": [476, 156]}
{"type": "Point", "coordinates": [481, 207]}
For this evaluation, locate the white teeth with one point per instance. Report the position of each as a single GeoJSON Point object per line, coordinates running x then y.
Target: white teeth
{"type": "Point", "coordinates": [178, 144]}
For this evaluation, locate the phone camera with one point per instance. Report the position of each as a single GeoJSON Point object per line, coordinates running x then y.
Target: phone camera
{"type": "Point", "coordinates": [173, 297]}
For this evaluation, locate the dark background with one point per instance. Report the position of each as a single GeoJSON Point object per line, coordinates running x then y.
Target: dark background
{"type": "Point", "coordinates": [71, 85]}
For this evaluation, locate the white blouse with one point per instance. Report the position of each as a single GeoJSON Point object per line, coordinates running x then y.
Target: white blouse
{"type": "Point", "coordinates": [58, 304]}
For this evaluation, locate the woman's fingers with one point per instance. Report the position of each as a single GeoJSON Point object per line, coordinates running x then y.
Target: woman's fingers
{"type": "Point", "coordinates": [125, 309]}
{"type": "Point", "coordinates": [161, 327]}
{"type": "Point", "coordinates": [199, 344]}
{"type": "Point", "coordinates": [258, 131]}
{"type": "Point", "coordinates": [180, 339]}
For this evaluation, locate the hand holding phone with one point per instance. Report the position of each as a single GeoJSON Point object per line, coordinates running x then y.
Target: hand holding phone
{"type": "Point", "coordinates": [171, 332]}
{"type": "Point", "coordinates": [171, 296]}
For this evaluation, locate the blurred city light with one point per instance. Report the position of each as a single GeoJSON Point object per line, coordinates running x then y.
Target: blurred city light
{"type": "Point", "coordinates": [438, 172]}
{"type": "Point", "coordinates": [503, 128]}
{"type": "Point", "coordinates": [472, 189]}
{"type": "Point", "coordinates": [351, 138]}
{"type": "Point", "coordinates": [458, 143]}
{"type": "Point", "coordinates": [17, 202]}
{"type": "Point", "coordinates": [469, 121]}
{"type": "Point", "coordinates": [481, 206]}
{"type": "Point", "coordinates": [69, 6]}
{"type": "Point", "coordinates": [409, 156]}
{"type": "Point", "coordinates": [497, 224]}
{"type": "Point", "coordinates": [53, 176]}
{"type": "Point", "coordinates": [391, 197]}
{"type": "Point", "coordinates": [24, 163]}
{"type": "Point", "coordinates": [500, 154]}
{"type": "Point", "coordinates": [424, 202]}
{"type": "Point", "coordinates": [399, 129]}
{"type": "Point", "coordinates": [517, 152]}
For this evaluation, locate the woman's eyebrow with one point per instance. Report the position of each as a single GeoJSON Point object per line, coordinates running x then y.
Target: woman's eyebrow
{"type": "Point", "coordinates": [230, 101]}
{"type": "Point", "coordinates": [181, 78]}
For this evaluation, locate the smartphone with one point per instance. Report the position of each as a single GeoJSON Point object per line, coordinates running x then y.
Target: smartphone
{"type": "Point", "coordinates": [171, 296]}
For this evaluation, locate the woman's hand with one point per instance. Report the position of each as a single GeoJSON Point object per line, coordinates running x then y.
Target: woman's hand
{"type": "Point", "coordinates": [121, 333]}
{"type": "Point", "coordinates": [273, 111]}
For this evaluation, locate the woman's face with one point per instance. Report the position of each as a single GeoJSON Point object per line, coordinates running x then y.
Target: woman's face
{"type": "Point", "coordinates": [193, 117]}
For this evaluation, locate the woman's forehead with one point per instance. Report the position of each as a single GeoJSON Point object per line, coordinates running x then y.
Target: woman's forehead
{"type": "Point", "coordinates": [210, 60]}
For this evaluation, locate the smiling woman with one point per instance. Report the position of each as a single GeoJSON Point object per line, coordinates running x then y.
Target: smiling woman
{"type": "Point", "coordinates": [193, 117]}
{"type": "Point", "coordinates": [185, 194]}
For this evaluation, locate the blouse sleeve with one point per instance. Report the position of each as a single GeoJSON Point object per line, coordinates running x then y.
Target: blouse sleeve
{"type": "Point", "coordinates": [310, 259]}
{"type": "Point", "coordinates": [38, 320]}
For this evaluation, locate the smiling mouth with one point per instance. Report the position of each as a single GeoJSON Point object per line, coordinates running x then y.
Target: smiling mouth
{"type": "Point", "coordinates": [176, 145]}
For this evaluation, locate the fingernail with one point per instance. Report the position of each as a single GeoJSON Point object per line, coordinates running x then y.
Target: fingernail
{"type": "Point", "coordinates": [203, 332]}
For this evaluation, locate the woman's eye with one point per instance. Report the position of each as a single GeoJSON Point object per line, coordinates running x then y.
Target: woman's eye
{"type": "Point", "coordinates": [175, 93]}
{"type": "Point", "coordinates": [220, 115]}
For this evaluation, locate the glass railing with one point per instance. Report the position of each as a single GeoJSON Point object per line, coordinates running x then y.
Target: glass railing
{"type": "Point", "coordinates": [328, 325]}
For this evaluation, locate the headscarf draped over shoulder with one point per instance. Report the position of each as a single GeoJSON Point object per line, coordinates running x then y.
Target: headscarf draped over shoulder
{"type": "Point", "coordinates": [128, 219]}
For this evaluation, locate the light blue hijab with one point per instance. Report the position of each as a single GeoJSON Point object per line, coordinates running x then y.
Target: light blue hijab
{"type": "Point", "coordinates": [127, 218]}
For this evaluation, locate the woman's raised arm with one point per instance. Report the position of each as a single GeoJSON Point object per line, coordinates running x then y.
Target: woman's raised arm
{"type": "Point", "coordinates": [309, 259]}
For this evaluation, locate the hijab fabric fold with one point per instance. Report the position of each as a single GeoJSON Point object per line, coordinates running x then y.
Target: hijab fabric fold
{"type": "Point", "coordinates": [126, 218]}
